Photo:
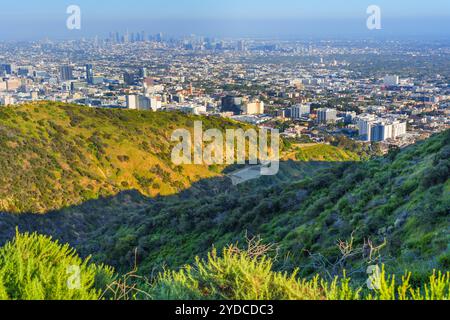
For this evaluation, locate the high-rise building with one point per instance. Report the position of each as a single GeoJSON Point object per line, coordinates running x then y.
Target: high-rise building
{"type": "Point", "coordinates": [76, 85]}
{"type": "Point", "coordinates": [129, 78]}
{"type": "Point", "coordinates": [6, 68]}
{"type": "Point", "coordinates": [155, 103]}
{"type": "Point", "coordinates": [348, 116]}
{"type": "Point", "coordinates": [232, 104]}
{"type": "Point", "coordinates": [300, 110]}
{"type": "Point", "coordinates": [241, 46]}
{"type": "Point", "coordinates": [89, 74]}
{"type": "Point", "coordinates": [376, 130]}
{"type": "Point", "coordinates": [7, 100]}
{"type": "Point", "coordinates": [66, 73]}
{"type": "Point", "coordinates": [143, 73]}
{"type": "Point", "coordinates": [255, 107]}
{"type": "Point", "coordinates": [391, 80]}
{"type": "Point", "coordinates": [132, 102]}
{"type": "Point", "coordinates": [364, 124]}
{"type": "Point", "coordinates": [140, 102]}
{"type": "Point", "coordinates": [385, 130]}
{"type": "Point", "coordinates": [326, 115]}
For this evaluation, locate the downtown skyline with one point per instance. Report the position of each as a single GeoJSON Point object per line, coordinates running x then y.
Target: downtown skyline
{"type": "Point", "coordinates": [29, 20]}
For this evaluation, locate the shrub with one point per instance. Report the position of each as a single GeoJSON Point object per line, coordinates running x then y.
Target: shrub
{"type": "Point", "coordinates": [33, 267]}
{"type": "Point", "coordinates": [238, 275]}
{"type": "Point", "coordinates": [234, 276]}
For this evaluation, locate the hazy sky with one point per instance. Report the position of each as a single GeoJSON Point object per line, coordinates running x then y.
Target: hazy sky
{"type": "Point", "coordinates": [27, 19]}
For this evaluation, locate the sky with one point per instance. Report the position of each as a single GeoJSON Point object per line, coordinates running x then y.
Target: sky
{"type": "Point", "coordinates": [31, 19]}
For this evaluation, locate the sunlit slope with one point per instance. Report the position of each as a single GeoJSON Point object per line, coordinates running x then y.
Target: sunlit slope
{"type": "Point", "coordinates": [56, 155]}
{"type": "Point", "coordinates": [52, 156]}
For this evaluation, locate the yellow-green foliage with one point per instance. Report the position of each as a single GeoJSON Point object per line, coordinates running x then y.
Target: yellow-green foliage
{"type": "Point", "coordinates": [324, 152]}
{"type": "Point", "coordinates": [33, 267]}
{"type": "Point", "coordinates": [437, 288]}
{"type": "Point", "coordinates": [234, 276]}
{"type": "Point", "coordinates": [238, 276]}
{"type": "Point", "coordinates": [58, 155]}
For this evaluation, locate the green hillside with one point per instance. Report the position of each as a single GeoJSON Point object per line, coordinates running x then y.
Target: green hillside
{"type": "Point", "coordinates": [401, 201]}
{"type": "Point", "coordinates": [53, 156]}
{"type": "Point", "coordinates": [324, 213]}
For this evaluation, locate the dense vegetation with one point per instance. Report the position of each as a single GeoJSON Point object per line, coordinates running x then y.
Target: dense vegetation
{"type": "Point", "coordinates": [34, 267]}
{"type": "Point", "coordinates": [238, 275]}
{"type": "Point", "coordinates": [55, 155]}
{"type": "Point", "coordinates": [401, 201]}
{"type": "Point", "coordinates": [391, 210]}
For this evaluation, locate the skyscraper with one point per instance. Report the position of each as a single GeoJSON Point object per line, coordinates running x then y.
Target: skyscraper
{"type": "Point", "coordinates": [143, 73]}
{"type": "Point", "coordinates": [241, 45]}
{"type": "Point", "coordinates": [129, 78]}
{"type": "Point", "coordinates": [89, 74]}
{"type": "Point", "coordinates": [66, 73]}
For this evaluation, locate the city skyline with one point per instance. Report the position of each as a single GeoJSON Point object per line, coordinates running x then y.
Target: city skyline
{"type": "Point", "coordinates": [204, 150]}
{"type": "Point", "coordinates": [285, 18]}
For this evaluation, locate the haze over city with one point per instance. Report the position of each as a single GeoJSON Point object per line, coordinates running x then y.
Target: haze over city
{"type": "Point", "coordinates": [249, 18]}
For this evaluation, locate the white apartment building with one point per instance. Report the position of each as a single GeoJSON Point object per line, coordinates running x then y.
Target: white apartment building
{"type": "Point", "coordinates": [7, 100]}
{"type": "Point", "coordinates": [375, 130]}
{"type": "Point", "coordinates": [326, 115]}
{"type": "Point", "coordinates": [139, 102]}
{"type": "Point", "coordinates": [299, 111]}
{"type": "Point", "coordinates": [256, 107]}
{"type": "Point", "coordinates": [154, 104]}
{"type": "Point", "coordinates": [391, 80]}
{"type": "Point", "coordinates": [132, 102]}
{"type": "Point", "coordinates": [364, 124]}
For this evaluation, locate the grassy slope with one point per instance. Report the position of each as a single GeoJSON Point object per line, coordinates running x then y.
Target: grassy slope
{"type": "Point", "coordinates": [321, 152]}
{"type": "Point", "coordinates": [55, 156]}
{"type": "Point", "coordinates": [403, 198]}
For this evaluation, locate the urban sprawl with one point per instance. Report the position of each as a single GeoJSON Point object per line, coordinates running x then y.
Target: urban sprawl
{"type": "Point", "coordinates": [310, 90]}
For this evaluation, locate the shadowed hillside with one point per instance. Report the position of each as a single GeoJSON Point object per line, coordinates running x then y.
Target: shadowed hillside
{"type": "Point", "coordinates": [56, 155]}
{"type": "Point", "coordinates": [400, 203]}
{"type": "Point", "coordinates": [53, 156]}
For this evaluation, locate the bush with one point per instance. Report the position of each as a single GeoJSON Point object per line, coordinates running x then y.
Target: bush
{"type": "Point", "coordinates": [33, 267]}
{"type": "Point", "coordinates": [234, 276]}
{"type": "Point", "coordinates": [238, 275]}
